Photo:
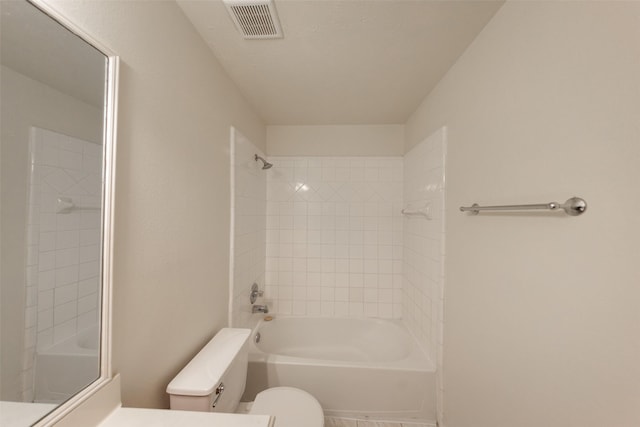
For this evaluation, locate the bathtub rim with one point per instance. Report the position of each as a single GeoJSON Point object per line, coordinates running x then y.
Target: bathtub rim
{"type": "Point", "coordinates": [416, 360]}
{"type": "Point", "coordinates": [70, 347]}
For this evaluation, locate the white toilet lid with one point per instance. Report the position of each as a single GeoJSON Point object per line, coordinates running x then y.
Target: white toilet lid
{"type": "Point", "coordinates": [292, 407]}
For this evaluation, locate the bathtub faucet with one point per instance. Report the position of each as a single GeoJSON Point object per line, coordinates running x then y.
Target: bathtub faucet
{"type": "Point", "coordinates": [259, 309]}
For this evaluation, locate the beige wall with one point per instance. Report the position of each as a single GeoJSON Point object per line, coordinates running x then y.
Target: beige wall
{"type": "Point", "coordinates": [171, 264]}
{"type": "Point", "coordinates": [26, 103]}
{"type": "Point", "coordinates": [542, 311]}
{"type": "Point", "coordinates": [340, 140]}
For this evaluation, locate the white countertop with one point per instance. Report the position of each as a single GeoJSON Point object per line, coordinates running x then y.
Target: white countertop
{"type": "Point", "coordinates": [136, 417]}
{"type": "Point", "coordinates": [22, 414]}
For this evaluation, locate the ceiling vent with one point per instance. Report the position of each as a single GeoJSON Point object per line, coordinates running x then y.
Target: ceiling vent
{"type": "Point", "coordinates": [255, 19]}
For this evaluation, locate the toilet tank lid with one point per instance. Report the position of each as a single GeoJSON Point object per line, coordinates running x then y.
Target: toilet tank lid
{"type": "Point", "coordinates": [203, 373]}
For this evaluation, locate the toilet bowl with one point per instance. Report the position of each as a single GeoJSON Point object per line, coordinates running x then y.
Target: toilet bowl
{"type": "Point", "coordinates": [214, 380]}
{"type": "Point", "coordinates": [292, 407]}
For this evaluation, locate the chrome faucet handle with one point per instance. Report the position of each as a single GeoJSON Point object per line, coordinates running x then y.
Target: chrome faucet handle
{"type": "Point", "coordinates": [255, 293]}
{"type": "Point", "coordinates": [259, 309]}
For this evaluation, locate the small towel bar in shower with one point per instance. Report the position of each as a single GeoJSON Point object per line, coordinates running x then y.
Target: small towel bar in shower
{"type": "Point", "coordinates": [425, 212]}
{"type": "Point", "coordinates": [574, 206]}
{"type": "Point", "coordinates": [65, 205]}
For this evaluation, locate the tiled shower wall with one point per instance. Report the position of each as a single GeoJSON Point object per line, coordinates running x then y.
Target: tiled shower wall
{"type": "Point", "coordinates": [63, 249]}
{"type": "Point", "coordinates": [334, 236]}
{"type": "Point", "coordinates": [249, 189]}
{"type": "Point", "coordinates": [423, 262]}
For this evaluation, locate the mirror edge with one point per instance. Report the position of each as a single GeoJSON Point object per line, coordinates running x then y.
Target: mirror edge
{"type": "Point", "coordinates": [109, 153]}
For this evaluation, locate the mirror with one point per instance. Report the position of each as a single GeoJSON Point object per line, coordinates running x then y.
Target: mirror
{"type": "Point", "coordinates": [56, 176]}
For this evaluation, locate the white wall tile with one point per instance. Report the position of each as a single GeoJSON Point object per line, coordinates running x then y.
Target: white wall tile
{"type": "Point", "coordinates": [46, 260]}
{"type": "Point", "coordinates": [88, 270]}
{"type": "Point", "coordinates": [335, 202]}
{"type": "Point", "coordinates": [65, 294]}
{"type": "Point", "coordinates": [64, 330]}
{"type": "Point", "coordinates": [88, 318]}
{"type": "Point", "coordinates": [88, 303]}
{"type": "Point", "coordinates": [59, 169]}
{"type": "Point", "coordinates": [67, 257]}
{"type": "Point", "coordinates": [423, 248]}
{"type": "Point", "coordinates": [64, 313]}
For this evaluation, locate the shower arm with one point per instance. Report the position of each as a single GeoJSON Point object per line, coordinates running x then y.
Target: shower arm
{"type": "Point", "coordinates": [265, 164]}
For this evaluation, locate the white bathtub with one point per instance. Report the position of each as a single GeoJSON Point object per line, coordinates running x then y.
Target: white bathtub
{"type": "Point", "coordinates": [362, 368]}
{"type": "Point", "coordinates": [67, 367]}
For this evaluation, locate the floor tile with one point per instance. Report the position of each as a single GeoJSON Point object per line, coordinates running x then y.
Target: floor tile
{"type": "Point", "coordinates": [346, 422]}
{"type": "Point", "coordinates": [377, 424]}
{"type": "Point", "coordinates": [339, 422]}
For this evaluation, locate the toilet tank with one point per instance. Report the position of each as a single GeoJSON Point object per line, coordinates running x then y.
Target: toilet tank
{"type": "Point", "coordinates": [222, 362]}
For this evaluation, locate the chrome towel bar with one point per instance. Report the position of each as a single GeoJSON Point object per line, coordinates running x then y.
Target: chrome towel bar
{"type": "Point", "coordinates": [574, 206]}
{"type": "Point", "coordinates": [65, 205]}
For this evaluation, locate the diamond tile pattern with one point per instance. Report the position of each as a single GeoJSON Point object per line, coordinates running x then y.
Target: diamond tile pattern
{"type": "Point", "coordinates": [63, 248]}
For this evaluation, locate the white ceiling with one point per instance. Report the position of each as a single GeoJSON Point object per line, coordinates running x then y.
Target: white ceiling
{"type": "Point", "coordinates": [343, 61]}
{"type": "Point", "coordinates": [35, 45]}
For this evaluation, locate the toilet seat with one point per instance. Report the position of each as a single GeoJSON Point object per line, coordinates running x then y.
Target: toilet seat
{"type": "Point", "coordinates": [292, 407]}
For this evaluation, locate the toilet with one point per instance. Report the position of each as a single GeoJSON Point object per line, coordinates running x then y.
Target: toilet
{"type": "Point", "coordinates": [214, 381]}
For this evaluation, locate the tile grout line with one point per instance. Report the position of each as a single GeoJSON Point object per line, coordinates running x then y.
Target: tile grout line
{"type": "Point", "coordinates": [350, 422]}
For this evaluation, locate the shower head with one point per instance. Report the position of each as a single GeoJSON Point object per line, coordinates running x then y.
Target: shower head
{"type": "Point", "coordinates": [265, 164]}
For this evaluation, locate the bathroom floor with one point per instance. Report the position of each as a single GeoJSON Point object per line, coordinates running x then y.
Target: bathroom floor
{"type": "Point", "coordinates": [244, 408]}
{"type": "Point", "coordinates": [346, 422]}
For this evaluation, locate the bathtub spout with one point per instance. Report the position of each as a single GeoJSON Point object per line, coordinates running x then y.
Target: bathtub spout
{"type": "Point", "coordinates": [259, 309]}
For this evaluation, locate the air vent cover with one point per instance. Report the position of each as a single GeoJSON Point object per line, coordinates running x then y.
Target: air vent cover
{"type": "Point", "coordinates": [255, 19]}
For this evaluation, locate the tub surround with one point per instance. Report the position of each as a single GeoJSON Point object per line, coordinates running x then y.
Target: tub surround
{"type": "Point", "coordinates": [32, 103]}
{"type": "Point", "coordinates": [248, 228]}
{"type": "Point", "coordinates": [424, 249]}
{"type": "Point", "coordinates": [63, 369]}
{"type": "Point", "coordinates": [334, 236]}
{"type": "Point", "coordinates": [362, 356]}
{"type": "Point", "coordinates": [63, 265]}
{"type": "Point", "coordinates": [423, 239]}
